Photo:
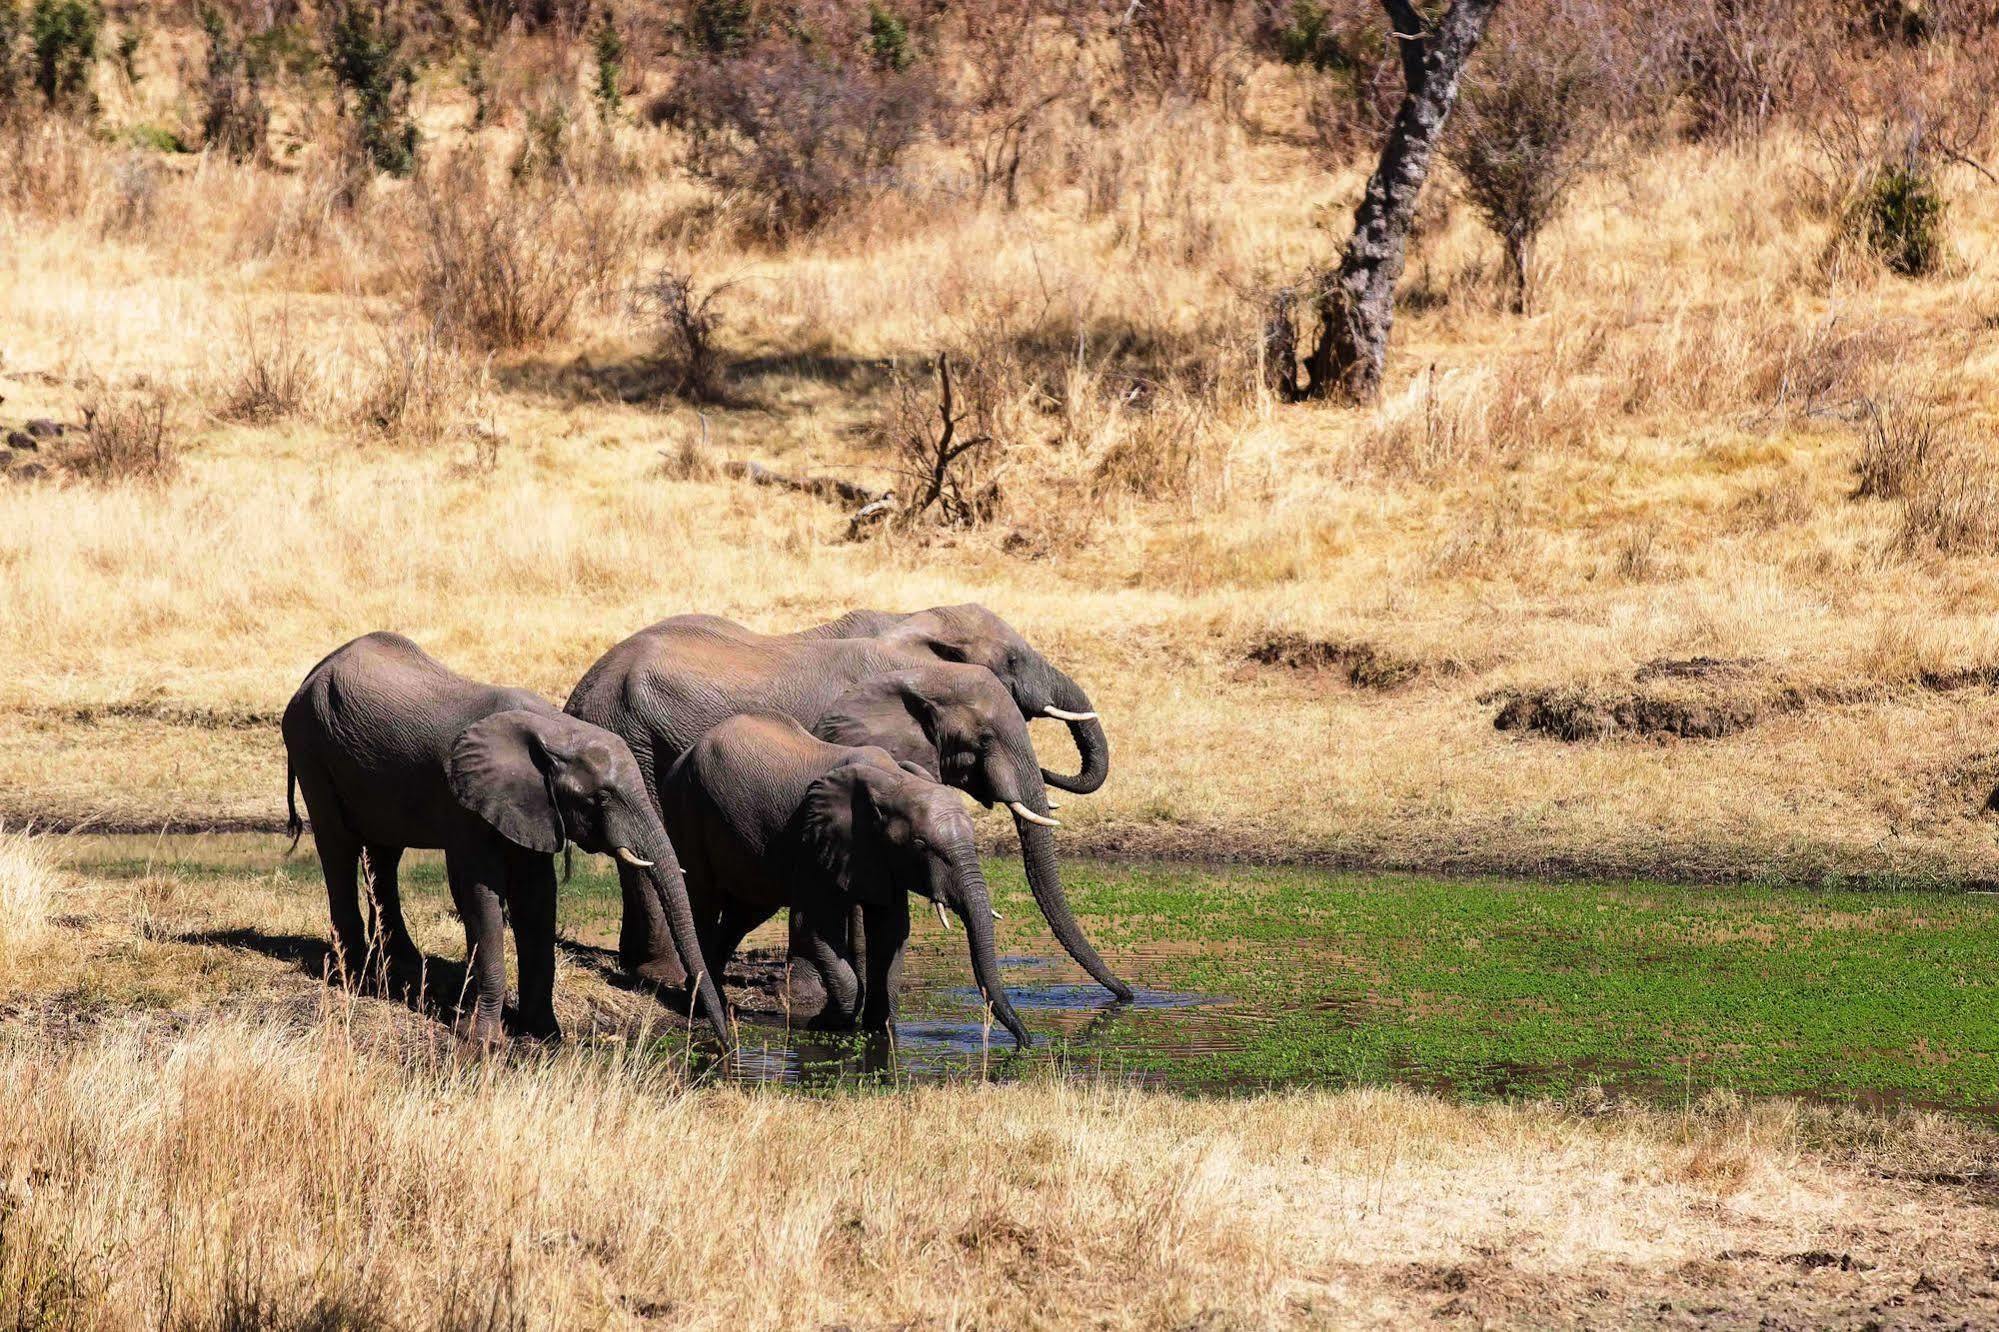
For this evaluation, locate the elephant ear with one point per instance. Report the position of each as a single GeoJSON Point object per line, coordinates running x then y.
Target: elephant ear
{"type": "Point", "coordinates": [841, 825]}
{"type": "Point", "coordinates": [502, 770]}
{"type": "Point", "coordinates": [891, 712]}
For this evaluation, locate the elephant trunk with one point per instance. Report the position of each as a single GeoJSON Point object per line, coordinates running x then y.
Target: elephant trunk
{"type": "Point", "coordinates": [1091, 743]}
{"type": "Point", "coordinates": [671, 888]}
{"type": "Point", "coordinates": [1037, 851]}
{"type": "Point", "coordinates": [974, 907]}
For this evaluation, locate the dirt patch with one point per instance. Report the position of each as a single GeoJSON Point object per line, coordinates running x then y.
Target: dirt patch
{"type": "Point", "coordinates": [1356, 662]}
{"type": "Point", "coordinates": [1574, 714]}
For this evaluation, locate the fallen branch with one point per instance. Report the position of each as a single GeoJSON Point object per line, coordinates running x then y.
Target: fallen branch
{"type": "Point", "coordinates": [825, 487]}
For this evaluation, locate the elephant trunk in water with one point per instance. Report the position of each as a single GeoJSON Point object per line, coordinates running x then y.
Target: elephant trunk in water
{"type": "Point", "coordinates": [671, 889]}
{"type": "Point", "coordinates": [974, 907]}
{"type": "Point", "coordinates": [1072, 708]}
{"type": "Point", "coordinates": [1037, 849]}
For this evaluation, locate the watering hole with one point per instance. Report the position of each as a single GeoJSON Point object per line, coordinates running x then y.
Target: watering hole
{"type": "Point", "coordinates": [1246, 979]}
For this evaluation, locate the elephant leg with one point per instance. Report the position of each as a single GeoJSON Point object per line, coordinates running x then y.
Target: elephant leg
{"type": "Point", "coordinates": [392, 935]}
{"type": "Point", "coordinates": [477, 873]}
{"type": "Point", "coordinates": [531, 905]}
{"type": "Point", "coordinates": [886, 931]}
{"type": "Point", "coordinates": [724, 934]}
{"type": "Point", "coordinates": [645, 944]}
{"type": "Point", "coordinates": [820, 935]}
{"type": "Point", "coordinates": [340, 864]}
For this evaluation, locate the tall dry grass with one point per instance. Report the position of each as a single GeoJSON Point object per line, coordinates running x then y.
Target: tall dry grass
{"type": "Point", "coordinates": [277, 1174]}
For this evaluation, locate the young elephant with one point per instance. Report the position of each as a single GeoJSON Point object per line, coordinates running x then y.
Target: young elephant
{"type": "Point", "coordinates": [391, 750]}
{"type": "Point", "coordinates": [770, 818]}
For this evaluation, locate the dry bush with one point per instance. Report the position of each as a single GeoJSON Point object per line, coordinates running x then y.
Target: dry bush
{"type": "Point", "coordinates": [126, 436]}
{"type": "Point", "coordinates": [802, 133]}
{"type": "Point", "coordinates": [502, 267]}
{"type": "Point", "coordinates": [684, 310]}
{"type": "Point", "coordinates": [1898, 443]}
{"type": "Point", "coordinates": [413, 382]}
{"type": "Point", "coordinates": [1178, 51]}
{"type": "Point", "coordinates": [1530, 124]}
{"type": "Point", "coordinates": [1020, 65]}
{"type": "Point", "coordinates": [273, 377]}
{"type": "Point", "coordinates": [1950, 505]}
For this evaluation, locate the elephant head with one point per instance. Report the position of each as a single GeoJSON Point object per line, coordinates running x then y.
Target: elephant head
{"type": "Point", "coordinates": [879, 830]}
{"type": "Point", "coordinates": [544, 780]}
{"type": "Point", "coordinates": [959, 726]}
{"type": "Point", "coordinates": [975, 636]}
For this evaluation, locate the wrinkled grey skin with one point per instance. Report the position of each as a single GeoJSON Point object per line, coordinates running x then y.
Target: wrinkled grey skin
{"type": "Point", "coordinates": [666, 685]}
{"type": "Point", "coordinates": [769, 818]}
{"type": "Point", "coordinates": [391, 750]}
{"type": "Point", "coordinates": [974, 635]}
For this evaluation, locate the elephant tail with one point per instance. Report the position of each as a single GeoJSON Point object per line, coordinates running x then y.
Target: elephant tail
{"type": "Point", "coordinates": [293, 823]}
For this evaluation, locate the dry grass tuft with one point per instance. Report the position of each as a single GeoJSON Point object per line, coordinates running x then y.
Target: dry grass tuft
{"type": "Point", "coordinates": [30, 884]}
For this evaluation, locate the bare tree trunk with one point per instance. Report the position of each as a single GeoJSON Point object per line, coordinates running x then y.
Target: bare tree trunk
{"type": "Point", "coordinates": [1357, 303]}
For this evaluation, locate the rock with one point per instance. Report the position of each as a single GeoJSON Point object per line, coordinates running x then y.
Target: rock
{"type": "Point", "coordinates": [21, 439]}
{"type": "Point", "coordinates": [28, 471]}
{"type": "Point", "coordinates": [43, 428]}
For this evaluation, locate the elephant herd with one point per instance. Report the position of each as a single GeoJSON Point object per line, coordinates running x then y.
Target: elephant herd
{"type": "Point", "coordinates": [731, 774]}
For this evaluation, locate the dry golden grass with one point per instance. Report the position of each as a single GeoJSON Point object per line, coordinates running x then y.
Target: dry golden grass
{"type": "Point", "coordinates": [199, 1135]}
{"type": "Point", "coordinates": [1660, 463]}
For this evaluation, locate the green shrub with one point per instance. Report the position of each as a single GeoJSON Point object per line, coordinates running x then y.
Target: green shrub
{"type": "Point", "coordinates": [158, 138]}
{"type": "Point", "coordinates": [15, 79]}
{"type": "Point", "coordinates": [63, 36]}
{"type": "Point", "coordinates": [234, 117]}
{"type": "Point", "coordinates": [888, 40]}
{"type": "Point", "coordinates": [609, 49]}
{"type": "Point", "coordinates": [365, 52]}
{"type": "Point", "coordinates": [1900, 217]}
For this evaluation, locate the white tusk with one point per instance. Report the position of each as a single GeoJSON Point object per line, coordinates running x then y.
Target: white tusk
{"type": "Point", "coordinates": [942, 919]}
{"type": "Point", "coordinates": [629, 857]}
{"type": "Point", "coordinates": [1060, 715]}
{"type": "Point", "coordinates": [996, 915]}
{"type": "Point", "coordinates": [1031, 816]}
{"type": "Point", "coordinates": [1054, 804]}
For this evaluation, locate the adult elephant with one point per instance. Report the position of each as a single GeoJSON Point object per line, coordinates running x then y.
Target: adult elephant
{"type": "Point", "coordinates": [770, 819]}
{"type": "Point", "coordinates": [972, 634]}
{"type": "Point", "coordinates": [392, 750]}
{"type": "Point", "coordinates": [666, 685]}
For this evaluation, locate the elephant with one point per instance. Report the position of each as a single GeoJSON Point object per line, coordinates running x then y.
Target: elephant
{"type": "Point", "coordinates": [770, 818]}
{"type": "Point", "coordinates": [666, 685]}
{"type": "Point", "coordinates": [972, 634]}
{"type": "Point", "coordinates": [392, 750]}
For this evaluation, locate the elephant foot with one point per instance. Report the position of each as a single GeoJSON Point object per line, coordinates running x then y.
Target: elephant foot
{"type": "Point", "coordinates": [662, 971]}
{"type": "Point", "coordinates": [481, 1032]}
{"type": "Point", "coordinates": [540, 1027]}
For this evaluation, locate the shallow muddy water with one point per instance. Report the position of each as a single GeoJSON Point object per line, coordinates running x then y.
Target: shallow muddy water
{"type": "Point", "coordinates": [1249, 979]}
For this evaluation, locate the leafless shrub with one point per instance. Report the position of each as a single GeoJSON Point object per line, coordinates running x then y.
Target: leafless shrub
{"type": "Point", "coordinates": [1018, 71]}
{"type": "Point", "coordinates": [688, 318]}
{"type": "Point", "coordinates": [1898, 443]}
{"type": "Point", "coordinates": [273, 377]}
{"type": "Point", "coordinates": [502, 267]}
{"type": "Point", "coordinates": [1183, 50]}
{"type": "Point", "coordinates": [802, 135]}
{"type": "Point", "coordinates": [1950, 505]}
{"type": "Point", "coordinates": [943, 454]}
{"type": "Point", "coordinates": [126, 437]}
{"type": "Point", "coordinates": [412, 380]}
{"type": "Point", "coordinates": [1528, 127]}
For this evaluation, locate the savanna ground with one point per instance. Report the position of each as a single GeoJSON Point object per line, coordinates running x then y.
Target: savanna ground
{"type": "Point", "coordinates": [1709, 529]}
